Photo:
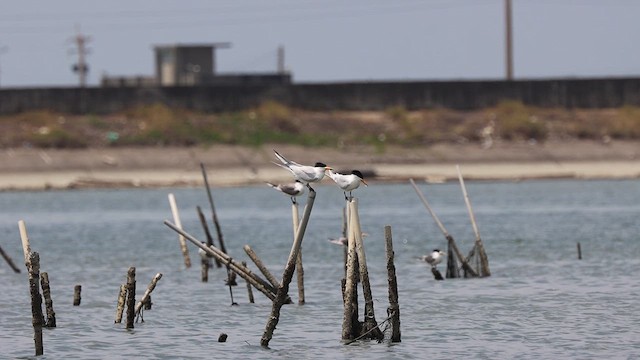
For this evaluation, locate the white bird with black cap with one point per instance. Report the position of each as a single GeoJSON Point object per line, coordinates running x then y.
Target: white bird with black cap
{"type": "Point", "coordinates": [303, 173]}
{"type": "Point", "coordinates": [294, 189]}
{"type": "Point", "coordinates": [348, 182]}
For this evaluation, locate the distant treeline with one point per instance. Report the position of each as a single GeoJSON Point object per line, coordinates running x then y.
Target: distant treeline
{"type": "Point", "coordinates": [412, 95]}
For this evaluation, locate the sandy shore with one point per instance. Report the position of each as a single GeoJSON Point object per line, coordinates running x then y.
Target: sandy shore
{"type": "Point", "coordinates": [34, 169]}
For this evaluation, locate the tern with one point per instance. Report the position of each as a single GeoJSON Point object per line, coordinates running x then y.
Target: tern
{"type": "Point", "coordinates": [348, 182]}
{"type": "Point", "coordinates": [304, 173]}
{"type": "Point", "coordinates": [343, 240]}
{"type": "Point", "coordinates": [292, 189]}
{"type": "Point", "coordinates": [435, 257]}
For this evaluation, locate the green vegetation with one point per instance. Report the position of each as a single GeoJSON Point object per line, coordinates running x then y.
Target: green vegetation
{"type": "Point", "coordinates": [272, 122]}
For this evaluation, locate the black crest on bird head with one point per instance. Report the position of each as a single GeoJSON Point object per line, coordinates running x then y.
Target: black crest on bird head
{"type": "Point", "coordinates": [357, 173]}
{"type": "Point", "coordinates": [436, 250]}
{"type": "Point", "coordinates": [319, 164]}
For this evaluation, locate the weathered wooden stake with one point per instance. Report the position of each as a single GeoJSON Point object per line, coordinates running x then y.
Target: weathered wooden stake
{"type": "Point", "coordinates": [122, 295]}
{"type": "Point", "coordinates": [9, 261]}
{"type": "Point", "coordinates": [289, 269]}
{"type": "Point", "coordinates": [263, 269]}
{"type": "Point", "coordinates": [176, 219]}
{"type": "Point", "coordinates": [436, 274]}
{"type": "Point", "coordinates": [484, 261]}
{"type": "Point", "coordinates": [147, 293]}
{"type": "Point", "coordinates": [26, 246]}
{"type": "Point", "coordinates": [450, 241]}
{"type": "Point", "coordinates": [394, 308]}
{"type": "Point", "coordinates": [33, 267]}
{"type": "Point", "coordinates": [299, 268]}
{"type": "Point", "coordinates": [249, 291]}
{"type": "Point", "coordinates": [48, 302]}
{"type": "Point", "coordinates": [207, 234]}
{"type": "Point", "coordinates": [579, 251]}
{"type": "Point", "coordinates": [76, 295]}
{"type": "Point", "coordinates": [350, 324]}
{"type": "Point", "coordinates": [131, 297]}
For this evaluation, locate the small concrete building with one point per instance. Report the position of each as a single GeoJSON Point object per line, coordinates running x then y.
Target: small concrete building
{"type": "Point", "coordinates": [180, 65]}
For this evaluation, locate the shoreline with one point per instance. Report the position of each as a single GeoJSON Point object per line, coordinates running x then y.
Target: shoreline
{"type": "Point", "coordinates": [45, 169]}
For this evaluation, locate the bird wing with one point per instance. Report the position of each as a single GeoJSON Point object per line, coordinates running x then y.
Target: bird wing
{"type": "Point", "coordinates": [289, 189]}
{"type": "Point", "coordinates": [284, 160]}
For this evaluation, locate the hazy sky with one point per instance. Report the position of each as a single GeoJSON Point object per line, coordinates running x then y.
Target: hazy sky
{"type": "Point", "coordinates": [324, 41]}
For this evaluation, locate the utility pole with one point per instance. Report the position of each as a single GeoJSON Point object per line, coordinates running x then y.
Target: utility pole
{"type": "Point", "coordinates": [281, 69]}
{"type": "Point", "coordinates": [3, 49]}
{"type": "Point", "coordinates": [508, 39]}
{"type": "Point", "coordinates": [81, 68]}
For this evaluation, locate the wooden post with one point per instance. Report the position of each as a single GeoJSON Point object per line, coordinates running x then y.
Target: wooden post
{"type": "Point", "coordinates": [48, 302]}
{"type": "Point", "coordinates": [121, 299]}
{"type": "Point", "coordinates": [299, 268]}
{"type": "Point", "coordinates": [283, 289]}
{"type": "Point", "coordinates": [207, 233]}
{"type": "Point", "coordinates": [579, 251]}
{"type": "Point", "coordinates": [147, 293]}
{"type": "Point", "coordinates": [213, 210]}
{"type": "Point", "coordinates": [350, 324]}
{"type": "Point", "coordinates": [450, 241]}
{"type": "Point", "coordinates": [484, 261]}
{"type": "Point", "coordinates": [76, 295]}
{"type": "Point", "coordinates": [256, 260]}
{"type": "Point", "coordinates": [249, 292]}
{"type": "Point", "coordinates": [260, 284]}
{"type": "Point", "coordinates": [131, 297]}
{"type": "Point", "coordinates": [9, 261]}
{"type": "Point", "coordinates": [26, 247]}
{"type": "Point", "coordinates": [370, 322]}
{"type": "Point", "coordinates": [344, 235]}
{"type": "Point", "coordinates": [394, 308]}
{"type": "Point", "coordinates": [33, 267]}
{"type": "Point", "coordinates": [176, 219]}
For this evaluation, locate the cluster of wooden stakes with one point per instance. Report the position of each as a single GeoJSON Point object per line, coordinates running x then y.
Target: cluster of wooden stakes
{"type": "Point", "coordinates": [355, 271]}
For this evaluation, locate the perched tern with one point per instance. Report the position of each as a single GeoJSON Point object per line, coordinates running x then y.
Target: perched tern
{"type": "Point", "coordinates": [343, 240]}
{"type": "Point", "coordinates": [304, 173]}
{"type": "Point", "coordinates": [292, 189]}
{"type": "Point", "coordinates": [348, 182]}
{"type": "Point", "coordinates": [434, 258]}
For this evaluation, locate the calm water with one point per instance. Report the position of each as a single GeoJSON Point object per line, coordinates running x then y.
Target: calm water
{"type": "Point", "coordinates": [541, 302]}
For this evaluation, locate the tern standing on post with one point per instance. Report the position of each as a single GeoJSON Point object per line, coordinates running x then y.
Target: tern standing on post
{"type": "Point", "coordinates": [304, 173]}
{"type": "Point", "coordinates": [348, 182]}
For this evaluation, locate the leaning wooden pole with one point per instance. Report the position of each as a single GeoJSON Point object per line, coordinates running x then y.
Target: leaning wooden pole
{"type": "Point", "coordinates": [207, 233]}
{"type": "Point", "coordinates": [263, 269]}
{"type": "Point", "coordinates": [289, 269]}
{"type": "Point", "coordinates": [147, 293]}
{"type": "Point", "coordinates": [450, 240]}
{"type": "Point", "coordinates": [176, 219]}
{"type": "Point", "coordinates": [33, 267]}
{"type": "Point", "coordinates": [370, 322]}
{"type": "Point", "coordinates": [9, 261]}
{"type": "Point", "coordinates": [24, 237]}
{"type": "Point", "coordinates": [394, 308]}
{"type": "Point", "coordinates": [249, 291]}
{"type": "Point", "coordinates": [299, 268]}
{"type": "Point", "coordinates": [243, 272]}
{"type": "Point", "coordinates": [484, 261]}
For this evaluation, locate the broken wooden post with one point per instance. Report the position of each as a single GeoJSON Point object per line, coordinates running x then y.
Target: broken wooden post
{"type": "Point", "coordinates": [256, 260]}
{"type": "Point", "coordinates": [299, 268]}
{"type": "Point", "coordinates": [48, 302]}
{"type": "Point", "coordinates": [283, 289]}
{"type": "Point", "coordinates": [147, 293]}
{"type": "Point", "coordinates": [121, 300]}
{"type": "Point", "coordinates": [393, 310]}
{"type": "Point", "coordinates": [207, 234]}
{"type": "Point", "coordinates": [436, 273]}
{"type": "Point", "coordinates": [131, 297]}
{"type": "Point", "coordinates": [176, 219]}
{"type": "Point", "coordinates": [450, 241]}
{"type": "Point", "coordinates": [249, 292]}
{"type": "Point", "coordinates": [76, 295]}
{"type": "Point", "coordinates": [33, 267]}
{"type": "Point", "coordinates": [484, 261]}
{"type": "Point", "coordinates": [579, 251]}
{"type": "Point", "coordinates": [9, 261]}
{"type": "Point", "coordinates": [370, 322]}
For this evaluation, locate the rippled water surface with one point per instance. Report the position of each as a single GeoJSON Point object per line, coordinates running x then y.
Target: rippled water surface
{"type": "Point", "coordinates": [540, 302]}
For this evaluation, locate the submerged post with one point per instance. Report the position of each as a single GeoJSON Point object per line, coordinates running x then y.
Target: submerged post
{"type": "Point", "coordinates": [579, 251]}
{"type": "Point", "coordinates": [249, 291]}
{"type": "Point", "coordinates": [350, 324]}
{"type": "Point", "coordinates": [76, 295]}
{"type": "Point", "coordinates": [121, 300]}
{"type": "Point", "coordinates": [207, 233]}
{"type": "Point", "coordinates": [147, 293]}
{"type": "Point", "coordinates": [299, 268]}
{"type": "Point", "coordinates": [176, 219]}
{"type": "Point", "coordinates": [131, 297]}
{"type": "Point", "coordinates": [48, 302]}
{"type": "Point", "coordinates": [394, 308]}
{"type": "Point", "coordinates": [33, 267]}
{"type": "Point", "coordinates": [9, 261]}
{"type": "Point", "coordinates": [283, 289]}
{"type": "Point", "coordinates": [484, 261]}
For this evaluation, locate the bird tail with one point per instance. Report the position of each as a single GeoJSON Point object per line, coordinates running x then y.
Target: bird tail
{"type": "Point", "coordinates": [282, 166]}
{"type": "Point", "coordinates": [281, 158]}
{"type": "Point", "coordinates": [272, 185]}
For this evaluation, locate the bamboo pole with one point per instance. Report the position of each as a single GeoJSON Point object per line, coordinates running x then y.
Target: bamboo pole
{"type": "Point", "coordinates": [283, 289]}
{"type": "Point", "coordinates": [207, 234]}
{"type": "Point", "coordinates": [369, 314]}
{"type": "Point", "coordinates": [147, 293]}
{"type": "Point", "coordinates": [249, 291]}
{"type": "Point", "coordinates": [393, 310]}
{"type": "Point", "coordinates": [26, 246]}
{"type": "Point", "coordinates": [48, 302]}
{"type": "Point", "coordinates": [76, 295]}
{"type": "Point", "coordinates": [350, 324]}
{"type": "Point", "coordinates": [243, 272]}
{"type": "Point", "coordinates": [9, 261]}
{"type": "Point", "coordinates": [176, 219]}
{"type": "Point", "coordinates": [299, 267]}
{"type": "Point", "coordinates": [121, 299]}
{"type": "Point", "coordinates": [450, 241]}
{"type": "Point", "coordinates": [131, 297]}
{"type": "Point", "coordinates": [483, 255]}
{"type": "Point", "coordinates": [33, 267]}
{"type": "Point", "coordinates": [256, 260]}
